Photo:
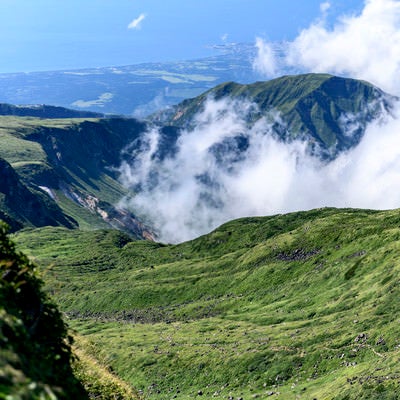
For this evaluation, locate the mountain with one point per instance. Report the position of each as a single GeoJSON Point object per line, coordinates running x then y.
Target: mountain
{"type": "Point", "coordinates": [328, 112]}
{"type": "Point", "coordinates": [135, 89]}
{"type": "Point", "coordinates": [64, 172]}
{"type": "Point", "coordinates": [45, 111]}
{"type": "Point", "coordinates": [302, 305]}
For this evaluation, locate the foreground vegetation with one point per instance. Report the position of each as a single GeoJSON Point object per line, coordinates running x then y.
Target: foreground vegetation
{"type": "Point", "coordinates": [303, 305]}
{"type": "Point", "coordinates": [35, 352]}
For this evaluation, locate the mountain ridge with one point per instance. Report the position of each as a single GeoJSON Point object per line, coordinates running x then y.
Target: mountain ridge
{"type": "Point", "coordinates": [312, 106]}
{"type": "Point", "coordinates": [299, 305]}
{"type": "Point", "coordinates": [72, 164]}
{"type": "Point", "coordinates": [45, 111]}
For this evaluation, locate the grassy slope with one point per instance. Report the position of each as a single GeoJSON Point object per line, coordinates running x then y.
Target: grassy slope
{"type": "Point", "coordinates": [28, 157]}
{"type": "Point", "coordinates": [303, 305]}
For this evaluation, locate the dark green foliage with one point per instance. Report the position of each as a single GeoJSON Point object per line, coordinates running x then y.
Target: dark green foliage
{"type": "Point", "coordinates": [35, 354]}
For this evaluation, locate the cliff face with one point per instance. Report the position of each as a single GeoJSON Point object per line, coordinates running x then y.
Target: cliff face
{"type": "Point", "coordinates": [21, 206]}
{"type": "Point", "coordinates": [65, 172]}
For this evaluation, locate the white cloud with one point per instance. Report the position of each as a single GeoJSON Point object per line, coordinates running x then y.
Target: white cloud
{"type": "Point", "coordinates": [224, 37]}
{"type": "Point", "coordinates": [364, 46]}
{"type": "Point", "coordinates": [200, 187]}
{"type": "Point", "coordinates": [266, 61]}
{"type": "Point", "coordinates": [324, 7]}
{"type": "Point", "coordinates": [210, 179]}
{"type": "Point", "coordinates": [137, 22]}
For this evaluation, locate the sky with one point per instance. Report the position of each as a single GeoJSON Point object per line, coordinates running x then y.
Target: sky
{"type": "Point", "coordinates": [44, 35]}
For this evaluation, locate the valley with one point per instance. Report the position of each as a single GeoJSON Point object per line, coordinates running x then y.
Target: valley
{"type": "Point", "coordinates": [293, 305]}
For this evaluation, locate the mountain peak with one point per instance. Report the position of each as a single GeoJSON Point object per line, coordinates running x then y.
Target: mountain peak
{"type": "Point", "coordinates": [313, 107]}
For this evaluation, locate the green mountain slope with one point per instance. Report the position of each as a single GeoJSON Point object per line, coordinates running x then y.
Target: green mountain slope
{"type": "Point", "coordinates": [295, 306]}
{"type": "Point", "coordinates": [328, 111]}
{"type": "Point", "coordinates": [69, 164]}
{"type": "Point", "coordinates": [38, 357]}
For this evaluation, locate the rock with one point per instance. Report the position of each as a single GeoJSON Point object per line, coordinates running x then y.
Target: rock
{"type": "Point", "coordinates": [361, 338]}
{"type": "Point", "coordinates": [381, 341]}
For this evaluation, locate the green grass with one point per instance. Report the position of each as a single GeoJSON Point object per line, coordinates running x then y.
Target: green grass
{"type": "Point", "coordinates": [98, 381]}
{"type": "Point", "coordinates": [260, 305]}
{"type": "Point", "coordinates": [17, 150]}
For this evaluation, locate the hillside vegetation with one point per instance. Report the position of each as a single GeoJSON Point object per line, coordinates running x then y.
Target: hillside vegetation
{"type": "Point", "coordinates": [295, 306]}
{"type": "Point", "coordinates": [38, 359]}
{"type": "Point", "coordinates": [303, 305]}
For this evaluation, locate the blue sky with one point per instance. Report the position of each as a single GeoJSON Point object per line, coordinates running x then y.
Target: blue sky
{"type": "Point", "coordinates": [49, 35]}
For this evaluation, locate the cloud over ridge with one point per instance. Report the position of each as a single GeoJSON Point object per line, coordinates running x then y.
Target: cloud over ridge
{"type": "Point", "coordinates": [224, 169]}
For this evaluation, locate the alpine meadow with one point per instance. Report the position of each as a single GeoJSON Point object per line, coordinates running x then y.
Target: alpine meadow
{"type": "Point", "coordinates": [200, 201]}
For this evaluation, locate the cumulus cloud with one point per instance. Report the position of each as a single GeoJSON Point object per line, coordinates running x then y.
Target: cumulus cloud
{"type": "Point", "coordinates": [266, 61]}
{"type": "Point", "coordinates": [224, 169]}
{"type": "Point", "coordinates": [364, 46]}
{"type": "Point", "coordinates": [137, 22]}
